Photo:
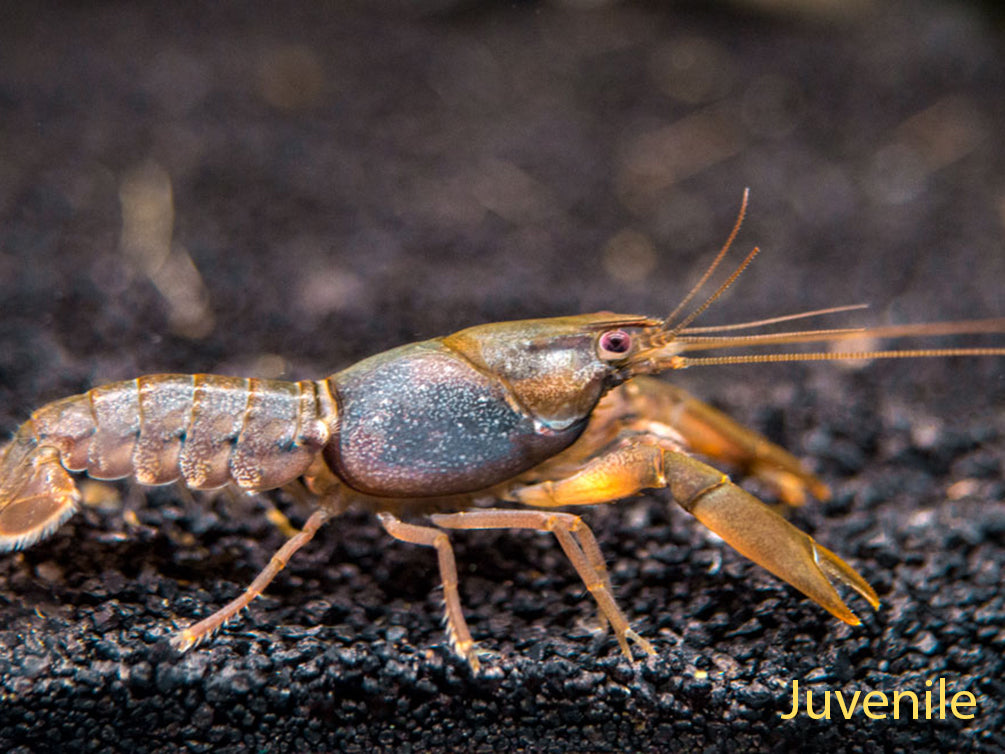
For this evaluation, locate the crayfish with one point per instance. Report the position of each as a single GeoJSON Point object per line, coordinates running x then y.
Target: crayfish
{"type": "Point", "coordinates": [544, 414]}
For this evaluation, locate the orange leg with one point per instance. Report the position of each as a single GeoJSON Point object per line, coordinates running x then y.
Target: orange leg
{"type": "Point", "coordinates": [751, 527]}
{"type": "Point", "coordinates": [580, 547]}
{"type": "Point", "coordinates": [714, 434]}
{"type": "Point", "coordinates": [457, 627]}
{"type": "Point", "coordinates": [650, 406]}
{"type": "Point", "coordinates": [191, 636]}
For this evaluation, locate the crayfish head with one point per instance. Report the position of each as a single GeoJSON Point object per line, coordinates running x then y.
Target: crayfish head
{"type": "Point", "coordinates": [557, 369]}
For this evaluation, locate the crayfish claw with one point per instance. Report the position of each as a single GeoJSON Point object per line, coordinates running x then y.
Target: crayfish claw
{"type": "Point", "coordinates": [761, 534]}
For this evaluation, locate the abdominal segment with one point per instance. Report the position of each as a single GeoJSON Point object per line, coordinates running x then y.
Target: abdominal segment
{"type": "Point", "coordinates": [206, 430]}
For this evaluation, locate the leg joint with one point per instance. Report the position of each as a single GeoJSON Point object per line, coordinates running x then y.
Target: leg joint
{"type": "Point", "coordinates": [696, 497]}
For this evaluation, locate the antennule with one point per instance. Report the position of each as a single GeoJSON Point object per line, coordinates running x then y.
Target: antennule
{"type": "Point", "coordinates": [719, 291]}
{"type": "Point", "coordinates": [715, 263]}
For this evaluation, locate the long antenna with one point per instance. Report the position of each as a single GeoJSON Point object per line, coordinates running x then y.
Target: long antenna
{"type": "Point", "coordinates": [974, 327]}
{"type": "Point", "coordinates": [687, 339]}
{"type": "Point", "coordinates": [718, 292]}
{"type": "Point", "coordinates": [683, 362]}
{"type": "Point", "coordinates": [774, 320]}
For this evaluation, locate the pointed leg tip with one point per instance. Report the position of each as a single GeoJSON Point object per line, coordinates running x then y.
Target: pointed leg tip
{"type": "Point", "coordinates": [474, 664]}
{"type": "Point", "coordinates": [468, 651]}
{"type": "Point", "coordinates": [640, 641]}
{"type": "Point", "coordinates": [183, 641]}
{"type": "Point", "coordinates": [191, 637]}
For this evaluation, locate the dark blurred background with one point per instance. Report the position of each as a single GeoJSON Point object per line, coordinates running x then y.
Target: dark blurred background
{"type": "Point", "coordinates": [282, 189]}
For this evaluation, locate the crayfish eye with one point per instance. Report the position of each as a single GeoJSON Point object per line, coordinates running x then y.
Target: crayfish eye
{"type": "Point", "coordinates": [614, 344]}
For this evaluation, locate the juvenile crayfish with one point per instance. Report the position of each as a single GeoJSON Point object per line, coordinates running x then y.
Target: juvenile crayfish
{"type": "Point", "coordinates": [544, 413]}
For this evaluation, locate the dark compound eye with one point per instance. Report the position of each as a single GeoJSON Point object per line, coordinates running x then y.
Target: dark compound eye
{"type": "Point", "coordinates": [614, 344]}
